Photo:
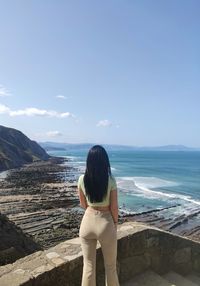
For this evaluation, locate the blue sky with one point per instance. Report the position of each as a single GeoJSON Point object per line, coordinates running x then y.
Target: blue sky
{"type": "Point", "coordinates": [120, 72]}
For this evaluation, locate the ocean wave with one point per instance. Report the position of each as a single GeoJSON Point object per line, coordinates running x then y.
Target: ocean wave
{"type": "Point", "coordinates": [113, 169]}
{"type": "Point", "coordinates": [150, 182]}
{"type": "Point", "coordinates": [71, 157]}
{"type": "Point", "coordinates": [144, 187]}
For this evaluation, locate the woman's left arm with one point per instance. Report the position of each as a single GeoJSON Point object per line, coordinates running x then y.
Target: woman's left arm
{"type": "Point", "coordinates": [114, 205]}
{"type": "Point", "coordinates": [82, 199]}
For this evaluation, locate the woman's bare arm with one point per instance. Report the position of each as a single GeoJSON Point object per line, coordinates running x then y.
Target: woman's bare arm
{"type": "Point", "coordinates": [82, 199]}
{"type": "Point", "coordinates": [114, 205]}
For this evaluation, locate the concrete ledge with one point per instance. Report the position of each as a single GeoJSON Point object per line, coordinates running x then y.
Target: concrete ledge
{"type": "Point", "coordinates": [139, 248]}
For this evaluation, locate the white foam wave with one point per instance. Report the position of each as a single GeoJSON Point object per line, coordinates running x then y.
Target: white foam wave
{"type": "Point", "coordinates": [113, 169]}
{"type": "Point", "coordinates": [70, 157]}
{"type": "Point", "coordinates": [150, 182]}
{"type": "Point", "coordinates": [144, 187]}
{"type": "Point", "coordinates": [80, 162]}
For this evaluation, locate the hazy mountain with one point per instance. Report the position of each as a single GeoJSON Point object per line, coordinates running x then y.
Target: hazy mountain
{"type": "Point", "coordinates": [51, 146]}
{"type": "Point", "coordinates": [17, 149]}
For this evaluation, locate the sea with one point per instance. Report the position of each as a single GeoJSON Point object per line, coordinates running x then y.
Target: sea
{"type": "Point", "coordinates": [150, 180]}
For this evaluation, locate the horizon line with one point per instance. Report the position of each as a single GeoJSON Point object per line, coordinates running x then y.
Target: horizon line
{"type": "Point", "coordinates": [124, 145]}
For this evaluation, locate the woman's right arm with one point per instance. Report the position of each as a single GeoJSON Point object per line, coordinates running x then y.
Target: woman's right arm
{"type": "Point", "coordinates": [82, 199]}
{"type": "Point", "coordinates": [114, 205]}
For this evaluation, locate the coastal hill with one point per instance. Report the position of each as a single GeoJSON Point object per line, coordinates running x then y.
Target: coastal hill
{"type": "Point", "coordinates": [17, 149]}
{"type": "Point", "coordinates": [55, 146]}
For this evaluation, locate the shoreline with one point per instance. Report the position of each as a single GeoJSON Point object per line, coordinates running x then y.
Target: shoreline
{"type": "Point", "coordinates": [183, 225]}
{"type": "Point", "coordinates": [41, 198]}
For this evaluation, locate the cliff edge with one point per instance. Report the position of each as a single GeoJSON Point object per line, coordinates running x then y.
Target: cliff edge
{"type": "Point", "coordinates": [17, 149]}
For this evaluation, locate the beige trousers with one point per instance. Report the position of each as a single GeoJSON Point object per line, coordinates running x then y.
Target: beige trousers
{"type": "Point", "coordinates": [98, 225]}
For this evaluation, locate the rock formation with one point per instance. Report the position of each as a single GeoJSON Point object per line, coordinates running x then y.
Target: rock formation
{"type": "Point", "coordinates": [17, 149]}
{"type": "Point", "coordinates": [13, 242]}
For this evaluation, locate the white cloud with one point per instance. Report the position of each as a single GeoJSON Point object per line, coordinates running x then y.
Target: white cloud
{"type": "Point", "coordinates": [32, 111]}
{"type": "Point", "coordinates": [104, 123]}
{"type": "Point", "coordinates": [61, 96]}
{"type": "Point", "coordinates": [4, 109]}
{"type": "Point", "coordinates": [66, 114]}
{"type": "Point", "coordinates": [4, 91]}
{"type": "Point", "coordinates": [53, 134]}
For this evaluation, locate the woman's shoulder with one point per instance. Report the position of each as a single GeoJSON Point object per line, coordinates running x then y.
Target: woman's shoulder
{"type": "Point", "coordinates": [80, 180]}
{"type": "Point", "coordinates": [112, 178]}
{"type": "Point", "coordinates": [112, 183]}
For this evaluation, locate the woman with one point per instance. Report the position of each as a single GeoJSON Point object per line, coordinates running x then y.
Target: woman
{"type": "Point", "coordinates": [98, 195]}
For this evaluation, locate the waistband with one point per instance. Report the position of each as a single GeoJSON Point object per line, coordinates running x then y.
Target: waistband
{"type": "Point", "coordinates": [98, 209]}
{"type": "Point", "coordinates": [100, 212]}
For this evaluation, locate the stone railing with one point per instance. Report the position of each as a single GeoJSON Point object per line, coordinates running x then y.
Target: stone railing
{"type": "Point", "coordinates": [139, 248]}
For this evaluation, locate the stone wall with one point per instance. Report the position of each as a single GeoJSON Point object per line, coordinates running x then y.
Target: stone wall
{"type": "Point", "coordinates": [139, 247]}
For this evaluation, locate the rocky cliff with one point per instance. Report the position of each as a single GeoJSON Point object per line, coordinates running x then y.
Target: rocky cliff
{"type": "Point", "coordinates": [17, 149]}
{"type": "Point", "coordinates": [14, 243]}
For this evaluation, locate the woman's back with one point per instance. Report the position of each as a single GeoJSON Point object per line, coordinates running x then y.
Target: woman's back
{"type": "Point", "coordinates": [98, 195]}
{"type": "Point", "coordinates": [106, 199]}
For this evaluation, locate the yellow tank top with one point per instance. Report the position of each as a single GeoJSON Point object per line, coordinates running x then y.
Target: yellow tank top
{"type": "Point", "coordinates": [106, 201]}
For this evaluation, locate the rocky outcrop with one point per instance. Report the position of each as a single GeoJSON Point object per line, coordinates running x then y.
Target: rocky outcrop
{"type": "Point", "coordinates": [39, 198]}
{"type": "Point", "coordinates": [185, 224]}
{"type": "Point", "coordinates": [14, 243]}
{"type": "Point", "coordinates": [17, 149]}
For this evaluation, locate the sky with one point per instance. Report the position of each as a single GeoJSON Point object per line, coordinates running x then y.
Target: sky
{"type": "Point", "coordinates": [107, 72]}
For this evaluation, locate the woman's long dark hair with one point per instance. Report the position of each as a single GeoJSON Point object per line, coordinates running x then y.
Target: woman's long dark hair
{"type": "Point", "coordinates": [97, 174]}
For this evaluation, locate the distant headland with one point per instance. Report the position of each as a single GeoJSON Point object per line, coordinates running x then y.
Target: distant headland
{"type": "Point", "coordinates": [55, 146]}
